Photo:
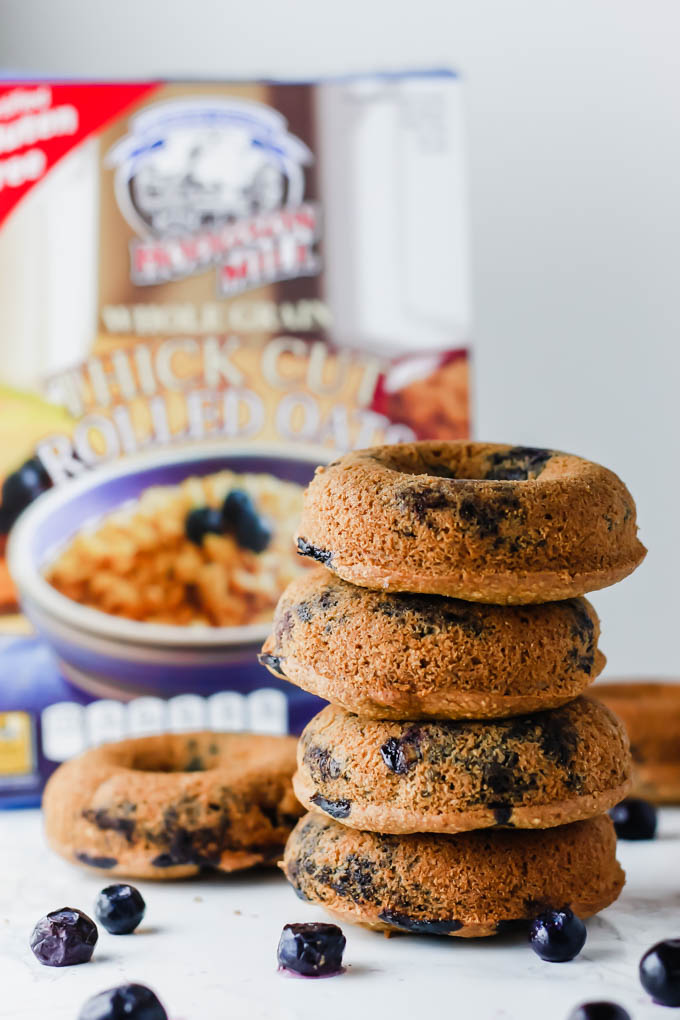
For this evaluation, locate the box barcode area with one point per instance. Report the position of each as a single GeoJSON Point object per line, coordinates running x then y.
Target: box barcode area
{"type": "Point", "coordinates": [68, 728]}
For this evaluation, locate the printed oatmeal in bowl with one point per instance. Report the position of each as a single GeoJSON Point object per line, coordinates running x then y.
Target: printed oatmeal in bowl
{"type": "Point", "coordinates": [159, 574]}
{"type": "Point", "coordinates": [178, 556]}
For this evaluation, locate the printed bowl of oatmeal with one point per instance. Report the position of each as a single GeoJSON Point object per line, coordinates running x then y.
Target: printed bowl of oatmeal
{"type": "Point", "coordinates": [160, 573]}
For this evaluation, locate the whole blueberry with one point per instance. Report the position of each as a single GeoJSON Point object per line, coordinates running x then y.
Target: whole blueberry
{"type": "Point", "coordinates": [241, 517]}
{"type": "Point", "coordinates": [202, 521]}
{"type": "Point", "coordinates": [634, 819]}
{"type": "Point", "coordinates": [127, 1002]}
{"type": "Point", "coordinates": [660, 972]}
{"type": "Point", "coordinates": [24, 485]}
{"type": "Point", "coordinates": [64, 937]}
{"type": "Point", "coordinates": [312, 949]}
{"type": "Point", "coordinates": [557, 935]}
{"type": "Point", "coordinates": [119, 908]}
{"type": "Point", "coordinates": [599, 1011]}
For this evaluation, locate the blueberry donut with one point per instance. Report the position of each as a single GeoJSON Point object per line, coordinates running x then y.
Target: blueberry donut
{"type": "Point", "coordinates": [169, 806]}
{"type": "Point", "coordinates": [405, 656]}
{"type": "Point", "coordinates": [529, 772]}
{"type": "Point", "coordinates": [650, 712]}
{"type": "Point", "coordinates": [476, 521]}
{"type": "Point", "coordinates": [475, 883]}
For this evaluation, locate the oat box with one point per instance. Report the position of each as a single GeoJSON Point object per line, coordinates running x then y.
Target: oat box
{"type": "Point", "coordinates": [206, 289]}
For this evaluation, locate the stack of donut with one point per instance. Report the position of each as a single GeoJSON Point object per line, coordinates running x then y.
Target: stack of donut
{"type": "Point", "coordinates": [459, 780]}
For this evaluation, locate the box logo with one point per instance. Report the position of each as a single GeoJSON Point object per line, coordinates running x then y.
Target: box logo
{"type": "Point", "coordinates": [216, 184]}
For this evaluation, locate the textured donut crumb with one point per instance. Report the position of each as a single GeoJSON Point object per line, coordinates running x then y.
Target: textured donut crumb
{"type": "Point", "coordinates": [478, 521]}
{"type": "Point", "coordinates": [411, 656]}
{"type": "Point", "coordinates": [471, 884]}
{"type": "Point", "coordinates": [398, 777]}
{"type": "Point", "coordinates": [169, 806]}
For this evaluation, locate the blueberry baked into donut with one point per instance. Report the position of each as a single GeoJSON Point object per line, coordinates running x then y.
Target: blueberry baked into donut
{"type": "Point", "coordinates": [471, 884]}
{"type": "Point", "coordinates": [477, 521]}
{"type": "Point", "coordinates": [169, 806]}
{"type": "Point", "coordinates": [405, 656]}
{"type": "Point", "coordinates": [530, 772]}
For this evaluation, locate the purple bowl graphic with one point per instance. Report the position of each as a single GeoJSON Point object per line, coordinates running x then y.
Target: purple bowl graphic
{"type": "Point", "coordinates": [109, 656]}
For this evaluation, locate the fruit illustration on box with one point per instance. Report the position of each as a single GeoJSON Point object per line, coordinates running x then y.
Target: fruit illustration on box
{"type": "Point", "coordinates": [25, 419]}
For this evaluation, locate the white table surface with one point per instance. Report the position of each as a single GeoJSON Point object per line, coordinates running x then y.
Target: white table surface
{"type": "Point", "coordinates": [207, 947]}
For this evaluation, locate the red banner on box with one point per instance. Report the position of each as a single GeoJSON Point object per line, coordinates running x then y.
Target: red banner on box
{"type": "Point", "coordinates": [40, 123]}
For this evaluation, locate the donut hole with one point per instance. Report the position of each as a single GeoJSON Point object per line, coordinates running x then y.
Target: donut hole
{"type": "Point", "coordinates": [435, 462]}
{"type": "Point", "coordinates": [470, 463]}
{"type": "Point", "coordinates": [177, 755]}
{"type": "Point", "coordinates": [152, 763]}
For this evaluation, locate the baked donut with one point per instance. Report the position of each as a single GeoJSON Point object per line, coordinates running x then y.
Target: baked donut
{"type": "Point", "coordinates": [169, 806]}
{"type": "Point", "coordinates": [476, 521]}
{"type": "Point", "coordinates": [529, 772]}
{"type": "Point", "coordinates": [475, 883]}
{"type": "Point", "coordinates": [650, 711]}
{"type": "Point", "coordinates": [405, 656]}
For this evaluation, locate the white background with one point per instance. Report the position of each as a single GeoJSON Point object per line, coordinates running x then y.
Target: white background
{"type": "Point", "coordinates": [574, 158]}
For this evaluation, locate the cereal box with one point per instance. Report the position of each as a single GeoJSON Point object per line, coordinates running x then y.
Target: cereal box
{"type": "Point", "coordinates": [206, 289]}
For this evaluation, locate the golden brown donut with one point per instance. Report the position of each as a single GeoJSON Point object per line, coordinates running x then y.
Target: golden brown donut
{"type": "Point", "coordinates": [168, 806]}
{"type": "Point", "coordinates": [650, 711]}
{"type": "Point", "coordinates": [529, 772]}
{"type": "Point", "coordinates": [405, 656]}
{"type": "Point", "coordinates": [475, 883]}
{"type": "Point", "coordinates": [476, 521]}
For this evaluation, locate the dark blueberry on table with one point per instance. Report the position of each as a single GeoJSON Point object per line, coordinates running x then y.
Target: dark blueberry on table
{"type": "Point", "coordinates": [557, 935]}
{"type": "Point", "coordinates": [241, 517]}
{"type": "Point", "coordinates": [313, 949]}
{"type": "Point", "coordinates": [599, 1011]}
{"type": "Point", "coordinates": [127, 1002]}
{"type": "Point", "coordinates": [634, 819]}
{"type": "Point", "coordinates": [24, 485]}
{"type": "Point", "coordinates": [202, 521]}
{"type": "Point", "coordinates": [660, 972]}
{"type": "Point", "coordinates": [64, 937]}
{"type": "Point", "coordinates": [119, 908]}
